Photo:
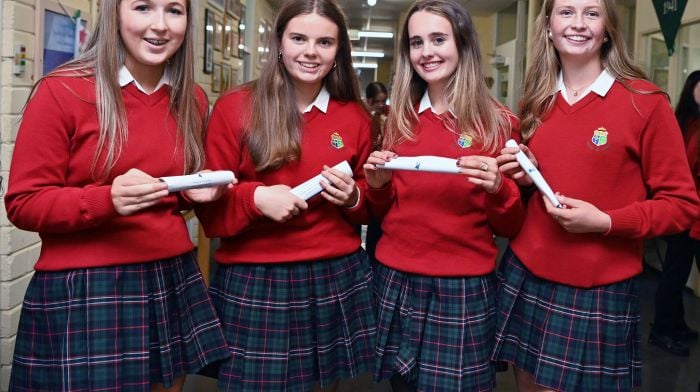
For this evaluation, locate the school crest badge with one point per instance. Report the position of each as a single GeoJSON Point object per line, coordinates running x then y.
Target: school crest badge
{"type": "Point", "coordinates": [337, 141]}
{"type": "Point", "coordinates": [600, 137]}
{"type": "Point", "coordinates": [599, 140]}
{"type": "Point", "coordinates": [465, 141]}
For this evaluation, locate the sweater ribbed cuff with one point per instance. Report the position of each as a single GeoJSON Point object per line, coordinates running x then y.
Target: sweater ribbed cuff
{"type": "Point", "coordinates": [96, 204]}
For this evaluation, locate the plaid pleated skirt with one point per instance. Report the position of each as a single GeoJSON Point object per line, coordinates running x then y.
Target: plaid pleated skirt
{"type": "Point", "coordinates": [568, 338]}
{"type": "Point", "coordinates": [294, 325]}
{"type": "Point", "coordinates": [115, 328]}
{"type": "Point", "coordinates": [436, 332]}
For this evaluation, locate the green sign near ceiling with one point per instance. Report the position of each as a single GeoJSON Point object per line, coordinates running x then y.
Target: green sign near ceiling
{"type": "Point", "coordinates": [670, 13]}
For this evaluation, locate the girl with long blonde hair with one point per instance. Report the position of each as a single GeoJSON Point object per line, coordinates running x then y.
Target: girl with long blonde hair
{"type": "Point", "coordinates": [434, 280]}
{"type": "Point", "coordinates": [117, 301]}
{"type": "Point", "coordinates": [605, 137]}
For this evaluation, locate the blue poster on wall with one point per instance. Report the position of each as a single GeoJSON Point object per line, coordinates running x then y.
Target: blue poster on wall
{"type": "Point", "coordinates": [59, 39]}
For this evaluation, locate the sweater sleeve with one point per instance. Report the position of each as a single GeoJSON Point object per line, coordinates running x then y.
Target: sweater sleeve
{"type": "Point", "coordinates": [236, 210]}
{"type": "Point", "coordinates": [673, 203]}
{"type": "Point", "coordinates": [39, 197]}
{"type": "Point", "coordinates": [505, 209]}
{"type": "Point", "coordinates": [359, 213]}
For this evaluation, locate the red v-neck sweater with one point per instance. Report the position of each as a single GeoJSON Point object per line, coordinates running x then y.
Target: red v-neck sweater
{"type": "Point", "coordinates": [51, 189]}
{"type": "Point", "coordinates": [324, 230]}
{"type": "Point", "coordinates": [637, 173]}
{"type": "Point", "coordinates": [440, 224]}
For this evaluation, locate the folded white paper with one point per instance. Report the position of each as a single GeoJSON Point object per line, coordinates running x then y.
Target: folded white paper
{"type": "Point", "coordinates": [426, 163]}
{"type": "Point", "coordinates": [312, 187]}
{"type": "Point", "coordinates": [199, 180]}
{"type": "Point", "coordinates": [534, 174]}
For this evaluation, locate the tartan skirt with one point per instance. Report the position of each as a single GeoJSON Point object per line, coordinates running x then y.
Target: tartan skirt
{"type": "Point", "coordinates": [115, 328]}
{"type": "Point", "coordinates": [436, 332]}
{"type": "Point", "coordinates": [568, 338]}
{"type": "Point", "coordinates": [291, 326]}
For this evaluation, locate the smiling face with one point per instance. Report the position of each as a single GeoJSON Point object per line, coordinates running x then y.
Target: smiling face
{"type": "Point", "coordinates": [432, 48]}
{"type": "Point", "coordinates": [577, 29]}
{"type": "Point", "coordinates": [152, 31]}
{"type": "Point", "coordinates": [308, 47]}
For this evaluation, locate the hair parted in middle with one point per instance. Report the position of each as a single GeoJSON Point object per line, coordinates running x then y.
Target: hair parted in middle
{"type": "Point", "coordinates": [101, 60]}
{"type": "Point", "coordinates": [275, 124]}
{"type": "Point", "coordinates": [468, 97]}
{"type": "Point", "coordinates": [541, 77]}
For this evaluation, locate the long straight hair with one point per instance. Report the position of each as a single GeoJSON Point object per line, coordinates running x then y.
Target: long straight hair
{"type": "Point", "coordinates": [476, 113]}
{"type": "Point", "coordinates": [541, 78]}
{"type": "Point", "coordinates": [273, 132]}
{"type": "Point", "coordinates": [101, 60]}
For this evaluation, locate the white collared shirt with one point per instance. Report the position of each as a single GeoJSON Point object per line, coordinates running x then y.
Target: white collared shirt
{"type": "Point", "coordinates": [321, 101]}
{"type": "Point", "coordinates": [125, 77]}
{"type": "Point", "coordinates": [601, 86]}
{"type": "Point", "coordinates": [425, 104]}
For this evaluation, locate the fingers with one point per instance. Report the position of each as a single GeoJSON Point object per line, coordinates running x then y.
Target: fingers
{"type": "Point", "coordinates": [482, 171]}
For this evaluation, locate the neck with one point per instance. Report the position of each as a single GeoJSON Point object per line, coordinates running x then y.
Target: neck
{"type": "Point", "coordinates": [437, 98]}
{"type": "Point", "coordinates": [579, 76]}
{"type": "Point", "coordinates": [148, 77]}
{"type": "Point", "coordinates": [306, 94]}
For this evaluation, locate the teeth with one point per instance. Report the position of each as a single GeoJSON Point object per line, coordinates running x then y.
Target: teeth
{"type": "Point", "coordinates": [309, 65]}
{"type": "Point", "coordinates": [156, 42]}
{"type": "Point", "coordinates": [576, 37]}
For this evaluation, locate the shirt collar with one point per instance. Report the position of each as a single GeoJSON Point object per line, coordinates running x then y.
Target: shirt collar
{"type": "Point", "coordinates": [600, 86]}
{"type": "Point", "coordinates": [321, 101]}
{"type": "Point", "coordinates": [425, 104]}
{"type": "Point", "coordinates": [125, 78]}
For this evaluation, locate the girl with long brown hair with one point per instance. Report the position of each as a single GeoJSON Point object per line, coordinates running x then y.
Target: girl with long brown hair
{"type": "Point", "coordinates": [292, 284]}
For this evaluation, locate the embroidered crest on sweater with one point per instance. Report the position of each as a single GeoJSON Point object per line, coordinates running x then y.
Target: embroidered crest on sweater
{"type": "Point", "coordinates": [465, 141]}
{"type": "Point", "coordinates": [599, 140]}
{"type": "Point", "coordinates": [337, 141]}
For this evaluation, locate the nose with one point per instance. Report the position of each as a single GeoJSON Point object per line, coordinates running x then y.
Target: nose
{"type": "Point", "coordinates": [427, 50]}
{"type": "Point", "coordinates": [579, 21]}
{"type": "Point", "coordinates": [158, 23]}
{"type": "Point", "coordinates": [310, 49]}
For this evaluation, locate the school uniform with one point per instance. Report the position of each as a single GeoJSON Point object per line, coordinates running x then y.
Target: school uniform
{"type": "Point", "coordinates": [294, 298]}
{"type": "Point", "coordinates": [434, 283]}
{"type": "Point", "coordinates": [116, 302]}
{"type": "Point", "coordinates": [568, 303]}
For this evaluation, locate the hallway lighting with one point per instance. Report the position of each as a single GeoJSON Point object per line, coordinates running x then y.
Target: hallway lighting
{"type": "Point", "coordinates": [364, 65]}
{"type": "Point", "coordinates": [367, 54]}
{"type": "Point", "coordinates": [371, 3]}
{"type": "Point", "coordinates": [375, 34]}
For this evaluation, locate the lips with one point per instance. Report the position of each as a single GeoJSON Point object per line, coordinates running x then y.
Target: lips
{"type": "Point", "coordinates": [431, 65]}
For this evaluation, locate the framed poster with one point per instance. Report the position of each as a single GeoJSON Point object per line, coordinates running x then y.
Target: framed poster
{"type": "Point", "coordinates": [226, 77]}
{"type": "Point", "coordinates": [241, 34]}
{"type": "Point", "coordinates": [220, 4]}
{"type": "Point", "coordinates": [262, 41]}
{"type": "Point", "coordinates": [216, 78]}
{"type": "Point", "coordinates": [58, 38]}
{"type": "Point", "coordinates": [233, 8]}
{"type": "Point", "coordinates": [208, 41]}
{"type": "Point", "coordinates": [233, 37]}
{"type": "Point", "coordinates": [227, 43]}
{"type": "Point", "coordinates": [218, 33]}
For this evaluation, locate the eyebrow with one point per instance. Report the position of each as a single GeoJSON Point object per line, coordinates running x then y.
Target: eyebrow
{"type": "Point", "coordinates": [306, 36]}
{"type": "Point", "coordinates": [431, 35]}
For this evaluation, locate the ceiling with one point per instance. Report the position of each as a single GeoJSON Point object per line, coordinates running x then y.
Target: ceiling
{"type": "Point", "coordinates": [384, 17]}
